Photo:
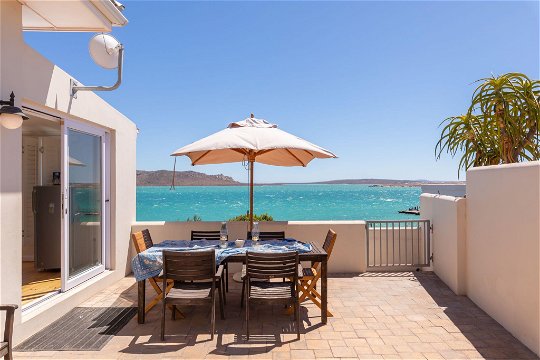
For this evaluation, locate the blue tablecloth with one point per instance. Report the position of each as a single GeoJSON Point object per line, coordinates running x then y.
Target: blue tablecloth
{"type": "Point", "coordinates": [149, 263]}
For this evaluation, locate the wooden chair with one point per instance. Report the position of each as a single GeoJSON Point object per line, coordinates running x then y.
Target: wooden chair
{"type": "Point", "coordinates": [269, 235]}
{"type": "Point", "coordinates": [208, 235]}
{"type": "Point", "coordinates": [142, 241]}
{"type": "Point", "coordinates": [6, 346]}
{"type": "Point", "coordinates": [310, 276]}
{"type": "Point", "coordinates": [260, 269]}
{"type": "Point", "coordinates": [195, 282]}
{"type": "Point", "coordinates": [214, 235]}
{"type": "Point", "coordinates": [263, 235]}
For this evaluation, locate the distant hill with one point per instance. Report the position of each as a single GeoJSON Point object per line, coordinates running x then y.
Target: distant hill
{"type": "Point", "coordinates": [194, 178]}
{"type": "Point", "coordinates": [387, 182]}
{"type": "Point", "coordinates": [182, 178]}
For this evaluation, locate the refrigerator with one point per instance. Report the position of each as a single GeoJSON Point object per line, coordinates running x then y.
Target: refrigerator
{"type": "Point", "coordinates": [47, 208]}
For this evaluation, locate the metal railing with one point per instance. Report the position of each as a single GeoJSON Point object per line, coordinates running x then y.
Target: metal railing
{"type": "Point", "coordinates": [398, 244]}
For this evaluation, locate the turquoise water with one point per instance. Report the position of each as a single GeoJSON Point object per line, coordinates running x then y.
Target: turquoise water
{"type": "Point", "coordinates": [283, 202]}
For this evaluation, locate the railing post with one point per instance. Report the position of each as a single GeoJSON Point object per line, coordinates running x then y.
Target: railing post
{"type": "Point", "coordinates": [419, 234]}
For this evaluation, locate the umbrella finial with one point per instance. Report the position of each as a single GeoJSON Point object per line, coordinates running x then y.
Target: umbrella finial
{"type": "Point", "coordinates": [252, 116]}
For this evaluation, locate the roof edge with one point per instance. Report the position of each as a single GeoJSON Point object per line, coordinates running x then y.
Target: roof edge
{"type": "Point", "coordinates": [111, 12]}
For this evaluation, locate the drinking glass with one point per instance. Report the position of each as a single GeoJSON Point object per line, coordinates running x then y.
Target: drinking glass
{"type": "Point", "coordinates": [223, 235]}
{"type": "Point", "coordinates": [255, 233]}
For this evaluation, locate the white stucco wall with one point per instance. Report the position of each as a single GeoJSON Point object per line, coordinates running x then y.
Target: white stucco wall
{"type": "Point", "coordinates": [448, 219]}
{"type": "Point", "coordinates": [503, 253]}
{"type": "Point", "coordinates": [486, 246]}
{"type": "Point", "coordinates": [41, 85]}
{"type": "Point", "coordinates": [10, 159]}
{"type": "Point", "coordinates": [348, 256]}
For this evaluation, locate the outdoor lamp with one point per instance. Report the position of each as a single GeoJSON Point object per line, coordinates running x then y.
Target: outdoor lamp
{"type": "Point", "coordinates": [11, 116]}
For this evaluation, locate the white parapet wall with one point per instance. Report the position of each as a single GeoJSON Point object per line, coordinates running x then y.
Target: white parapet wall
{"type": "Point", "coordinates": [486, 246]}
{"type": "Point", "coordinates": [503, 252]}
{"type": "Point", "coordinates": [349, 255]}
{"type": "Point", "coordinates": [448, 219]}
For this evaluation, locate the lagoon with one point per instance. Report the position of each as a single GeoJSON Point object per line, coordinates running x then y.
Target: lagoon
{"type": "Point", "coordinates": [283, 202]}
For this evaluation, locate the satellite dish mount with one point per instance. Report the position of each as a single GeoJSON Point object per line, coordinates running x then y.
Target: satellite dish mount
{"type": "Point", "coordinates": [108, 53]}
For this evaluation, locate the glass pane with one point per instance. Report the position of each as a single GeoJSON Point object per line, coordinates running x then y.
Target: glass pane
{"type": "Point", "coordinates": [85, 203]}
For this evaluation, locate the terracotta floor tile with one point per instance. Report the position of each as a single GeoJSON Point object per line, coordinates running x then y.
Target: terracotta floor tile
{"type": "Point", "coordinates": [384, 315]}
{"type": "Point", "coordinates": [302, 354]}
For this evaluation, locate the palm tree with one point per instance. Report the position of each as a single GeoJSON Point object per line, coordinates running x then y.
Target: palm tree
{"type": "Point", "coordinates": [501, 126]}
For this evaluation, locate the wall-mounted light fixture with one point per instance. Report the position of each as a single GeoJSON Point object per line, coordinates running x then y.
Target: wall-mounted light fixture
{"type": "Point", "coordinates": [11, 116]}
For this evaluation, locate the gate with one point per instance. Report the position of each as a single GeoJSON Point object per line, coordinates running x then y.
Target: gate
{"type": "Point", "coordinates": [398, 244]}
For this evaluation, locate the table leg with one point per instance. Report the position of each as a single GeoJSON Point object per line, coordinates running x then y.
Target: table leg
{"type": "Point", "coordinates": [324, 291]}
{"type": "Point", "coordinates": [141, 285]}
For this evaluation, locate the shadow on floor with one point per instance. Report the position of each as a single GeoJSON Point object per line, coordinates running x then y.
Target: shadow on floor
{"type": "Point", "coordinates": [489, 338]}
{"type": "Point", "coordinates": [270, 327]}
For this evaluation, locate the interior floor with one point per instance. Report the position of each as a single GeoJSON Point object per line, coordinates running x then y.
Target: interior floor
{"type": "Point", "coordinates": [36, 284]}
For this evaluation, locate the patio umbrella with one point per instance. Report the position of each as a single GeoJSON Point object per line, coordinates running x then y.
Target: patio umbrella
{"type": "Point", "coordinates": [75, 162]}
{"type": "Point", "coordinates": [253, 140]}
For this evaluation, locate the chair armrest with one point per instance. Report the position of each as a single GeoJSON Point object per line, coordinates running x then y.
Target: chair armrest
{"type": "Point", "coordinates": [8, 307]}
{"type": "Point", "coordinates": [219, 272]}
{"type": "Point", "coordinates": [8, 330]}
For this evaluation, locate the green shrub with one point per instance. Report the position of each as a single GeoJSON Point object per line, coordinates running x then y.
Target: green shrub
{"type": "Point", "coordinates": [245, 217]}
{"type": "Point", "coordinates": [194, 218]}
{"type": "Point", "coordinates": [501, 126]}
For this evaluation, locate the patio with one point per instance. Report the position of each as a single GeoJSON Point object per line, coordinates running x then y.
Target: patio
{"type": "Point", "coordinates": [376, 315]}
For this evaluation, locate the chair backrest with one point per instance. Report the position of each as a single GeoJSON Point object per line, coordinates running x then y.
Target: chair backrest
{"type": "Point", "coordinates": [329, 242]}
{"type": "Point", "coordinates": [189, 265]}
{"type": "Point", "coordinates": [142, 240]}
{"type": "Point", "coordinates": [328, 246]}
{"type": "Point", "coordinates": [208, 235]}
{"type": "Point", "coordinates": [272, 265]}
{"type": "Point", "coordinates": [269, 235]}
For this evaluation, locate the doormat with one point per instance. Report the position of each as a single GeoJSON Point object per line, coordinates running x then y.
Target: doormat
{"type": "Point", "coordinates": [81, 329]}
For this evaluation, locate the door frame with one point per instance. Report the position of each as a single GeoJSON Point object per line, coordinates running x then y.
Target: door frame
{"type": "Point", "coordinates": [68, 124]}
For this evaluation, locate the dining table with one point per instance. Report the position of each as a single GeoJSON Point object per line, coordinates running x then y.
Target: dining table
{"type": "Point", "coordinates": [149, 263]}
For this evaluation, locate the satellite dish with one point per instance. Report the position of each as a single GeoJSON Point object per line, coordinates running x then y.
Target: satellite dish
{"type": "Point", "coordinates": [105, 50]}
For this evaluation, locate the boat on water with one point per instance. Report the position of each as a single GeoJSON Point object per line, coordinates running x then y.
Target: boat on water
{"type": "Point", "coordinates": [412, 211]}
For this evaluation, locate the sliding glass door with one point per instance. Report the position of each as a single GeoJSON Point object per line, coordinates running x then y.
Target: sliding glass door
{"type": "Point", "coordinates": [84, 189]}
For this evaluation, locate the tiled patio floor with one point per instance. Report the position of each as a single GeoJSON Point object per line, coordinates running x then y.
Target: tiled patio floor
{"type": "Point", "coordinates": [383, 315]}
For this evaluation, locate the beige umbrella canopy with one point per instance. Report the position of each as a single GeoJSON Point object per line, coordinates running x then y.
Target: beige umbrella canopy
{"type": "Point", "coordinates": [253, 140]}
{"type": "Point", "coordinates": [75, 162]}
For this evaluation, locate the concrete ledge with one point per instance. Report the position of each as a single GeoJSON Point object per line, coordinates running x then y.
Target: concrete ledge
{"type": "Point", "coordinates": [448, 218]}
{"type": "Point", "coordinates": [349, 255]}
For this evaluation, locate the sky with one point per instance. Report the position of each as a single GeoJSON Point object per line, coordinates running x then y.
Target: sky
{"type": "Point", "coordinates": [370, 81]}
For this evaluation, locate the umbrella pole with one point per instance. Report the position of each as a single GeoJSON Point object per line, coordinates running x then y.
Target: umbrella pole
{"type": "Point", "coordinates": [251, 162]}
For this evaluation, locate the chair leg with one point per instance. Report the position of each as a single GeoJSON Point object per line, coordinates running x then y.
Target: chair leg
{"type": "Point", "coordinates": [222, 285]}
{"type": "Point", "coordinates": [213, 325]}
{"type": "Point", "coordinates": [297, 316]}
{"type": "Point", "coordinates": [163, 320]}
{"type": "Point", "coordinates": [227, 277]}
{"type": "Point", "coordinates": [221, 294]}
{"type": "Point", "coordinates": [242, 298]}
{"type": "Point", "coordinates": [247, 317]}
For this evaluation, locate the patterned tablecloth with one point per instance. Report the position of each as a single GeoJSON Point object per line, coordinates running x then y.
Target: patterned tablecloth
{"type": "Point", "coordinates": [149, 263]}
